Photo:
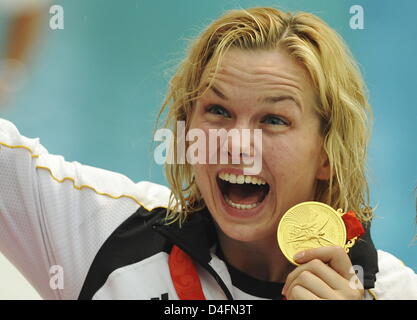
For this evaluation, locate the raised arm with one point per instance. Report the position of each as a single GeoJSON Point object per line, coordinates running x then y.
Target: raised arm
{"type": "Point", "coordinates": [55, 215]}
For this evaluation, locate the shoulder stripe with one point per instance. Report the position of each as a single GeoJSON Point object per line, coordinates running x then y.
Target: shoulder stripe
{"type": "Point", "coordinates": [135, 199]}
{"type": "Point", "coordinates": [93, 189]}
{"type": "Point", "coordinates": [20, 147]}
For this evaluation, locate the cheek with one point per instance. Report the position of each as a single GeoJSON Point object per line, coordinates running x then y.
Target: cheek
{"type": "Point", "coordinates": [202, 182]}
{"type": "Point", "coordinates": [205, 184]}
{"type": "Point", "coordinates": [201, 177]}
{"type": "Point", "coordinates": [207, 148]}
{"type": "Point", "coordinates": [292, 159]}
{"type": "Point", "coordinates": [276, 157]}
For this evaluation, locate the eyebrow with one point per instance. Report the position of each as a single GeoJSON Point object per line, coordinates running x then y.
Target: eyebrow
{"type": "Point", "coordinates": [271, 100]}
{"type": "Point", "coordinates": [218, 93]}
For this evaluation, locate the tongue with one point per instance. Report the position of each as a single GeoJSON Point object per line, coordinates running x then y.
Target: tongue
{"type": "Point", "coordinates": [245, 193]}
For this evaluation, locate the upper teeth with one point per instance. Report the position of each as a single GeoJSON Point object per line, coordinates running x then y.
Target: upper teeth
{"type": "Point", "coordinates": [240, 179]}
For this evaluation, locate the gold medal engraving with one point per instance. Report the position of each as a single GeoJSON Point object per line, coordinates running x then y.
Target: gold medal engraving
{"type": "Point", "coordinates": [310, 225]}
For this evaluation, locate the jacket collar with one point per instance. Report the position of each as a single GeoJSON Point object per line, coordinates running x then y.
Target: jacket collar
{"type": "Point", "coordinates": [195, 236]}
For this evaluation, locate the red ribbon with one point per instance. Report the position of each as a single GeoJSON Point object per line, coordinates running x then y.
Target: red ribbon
{"type": "Point", "coordinates": [354, 227]}
{"type": "Point", "coordinates": [184, 276]}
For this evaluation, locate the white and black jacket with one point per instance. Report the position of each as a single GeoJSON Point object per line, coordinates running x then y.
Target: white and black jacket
{"type": "Point", "coordinates": [108, 236]}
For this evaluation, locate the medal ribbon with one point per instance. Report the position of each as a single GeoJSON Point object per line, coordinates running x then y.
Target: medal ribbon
{"type": "Point", "coordinates": [184, 276]}
{"type": "Point", "coordinates": [354, 227]}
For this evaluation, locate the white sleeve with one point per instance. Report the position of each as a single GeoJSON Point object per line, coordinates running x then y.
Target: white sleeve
{"type": "Point", "coordinates": [394, 281]}
{"type": "Point", "coordinates": [58, 213]}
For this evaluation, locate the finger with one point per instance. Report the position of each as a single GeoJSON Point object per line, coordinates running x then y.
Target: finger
{"type": "Point", "coordinates": [313, 284]}
{"type": "Point", "coordinates": [300, 293]}
{"type": "Point", "coordinates": [321, 270]}
{"type": "Point", "coordinates": [335, 257]}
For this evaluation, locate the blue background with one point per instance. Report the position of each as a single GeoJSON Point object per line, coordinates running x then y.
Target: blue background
{"type": "Point", "coordinates": [93, 90]}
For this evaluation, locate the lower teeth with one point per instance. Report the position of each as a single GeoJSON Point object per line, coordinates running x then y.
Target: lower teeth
{"type": "Point", "coordinates": [240, 206]}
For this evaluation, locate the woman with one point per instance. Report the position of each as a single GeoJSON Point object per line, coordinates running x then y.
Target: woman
{"type": "Point", "coordinates": [288, 75]}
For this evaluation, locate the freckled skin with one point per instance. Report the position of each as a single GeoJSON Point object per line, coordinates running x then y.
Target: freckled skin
{"type": "Point", "coordinates": [293, 158]}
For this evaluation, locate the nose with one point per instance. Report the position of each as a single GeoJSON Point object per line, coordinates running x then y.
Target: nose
{"type": "Point", "coordinates": [239, 145]}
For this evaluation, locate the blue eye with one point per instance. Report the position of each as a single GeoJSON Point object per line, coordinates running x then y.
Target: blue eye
{"type": "Point", "coordinates": [218, 110]}
{"type": "Point", "coordinates": [274, 120]}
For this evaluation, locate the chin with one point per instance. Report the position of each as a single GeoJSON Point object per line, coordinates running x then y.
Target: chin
{"type": "Point", "coordinates": [244, 233]}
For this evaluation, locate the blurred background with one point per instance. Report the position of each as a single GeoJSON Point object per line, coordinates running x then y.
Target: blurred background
{"type": "Point", "coordinates": [91, 88]}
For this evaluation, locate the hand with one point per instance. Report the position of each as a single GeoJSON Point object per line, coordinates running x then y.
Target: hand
{"type": "Point", "coordinates": [324, 273]}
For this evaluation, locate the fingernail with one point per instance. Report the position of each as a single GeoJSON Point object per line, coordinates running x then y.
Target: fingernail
{"type": "Point", "coordinates": [299, 255]}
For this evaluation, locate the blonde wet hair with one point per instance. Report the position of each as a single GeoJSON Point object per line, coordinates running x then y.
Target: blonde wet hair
{"type": "Point", "coordinates": [341, 99]}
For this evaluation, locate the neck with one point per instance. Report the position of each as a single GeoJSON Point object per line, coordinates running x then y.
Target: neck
{"type": "Point", "coordinates": [262, 259]}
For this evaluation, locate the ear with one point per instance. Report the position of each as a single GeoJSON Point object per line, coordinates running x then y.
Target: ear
{"type": "Point", "coordinates": [323, 170]}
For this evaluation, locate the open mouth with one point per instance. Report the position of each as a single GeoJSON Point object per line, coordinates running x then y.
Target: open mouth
{"type": "Point", "coordinates": [241, 191]}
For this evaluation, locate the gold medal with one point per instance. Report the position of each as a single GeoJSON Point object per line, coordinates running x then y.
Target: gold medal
{"type": "Point", "coordinates": [310, 225]}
